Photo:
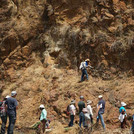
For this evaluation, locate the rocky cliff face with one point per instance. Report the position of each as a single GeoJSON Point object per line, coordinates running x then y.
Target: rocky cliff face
{"type": "Point", "coordinates": [41, 41]}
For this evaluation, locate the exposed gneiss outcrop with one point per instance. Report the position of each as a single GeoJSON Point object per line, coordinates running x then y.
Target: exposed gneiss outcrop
{"type": "Point", "coordinates": [42, 43]}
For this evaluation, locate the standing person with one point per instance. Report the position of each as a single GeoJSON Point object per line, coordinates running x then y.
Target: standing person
{"type": "Point", "coordinates": [100, 110]}
{"type": "Point", "coordinates": [83, 67]}
{"type": "Point", "coordinates": [132, 128]}
{"type": "Point", "coordinates": [72, 111]}
{"type": "Point", "coordinates": [81, 105]}
{"type": "Point", "coordinates": [12, 105]}
{"type": "Point", "coordinates": [86, 117]}
{"type": "Point", "coordinates": [90, 112]}
{"type": "Point", "coordinates": [43, 117]}
{"type": "Point", "coordinates": [123, 115]}
{"type": "Point", "coordinates": [3, 114]}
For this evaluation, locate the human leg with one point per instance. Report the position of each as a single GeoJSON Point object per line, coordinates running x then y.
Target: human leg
{"type": "Point", "coordinates": [71, 120]}
{"type": "Point", "coordinates": [12, 120]}
{"type": "Point", "coordinates": [82, 75]}
{"type": "Point", "coordinates": [43, 125]}
{"type": "Point", "coordinates": [80, 119]}
{"type": "Point", "coordinates": [91, 119]}
{"type": "Point", "coordinates": [102, 121]}
{"type": "Point", "coordinates": [3, 126]}
{"type": "Point", "coordinates": [85, 72]}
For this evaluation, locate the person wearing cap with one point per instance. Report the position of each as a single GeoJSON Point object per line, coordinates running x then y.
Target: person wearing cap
{"type": "Point", "coordinates": [3, 114]}
{"type": "Point", "coordinates": [12, 105]}
{"type": "Point", "coordinates": [90, 112]}
{"type": "Point", "coordinates": [100, 110]}
{"type": "Point", "coordinates": [123, 115]}
{"type": "Point", "coordinates": [86, 117]}
{"type": "Point", "coordinates": [81, 105]}
{"type": "Point", "coordinates": [43, 117]}
{"type": "Point", "coordinates": [83, 67]}
{"type": "Point", "coordinates": [72, 111]}
{"type": "Point", "coordinates": [132, 127]}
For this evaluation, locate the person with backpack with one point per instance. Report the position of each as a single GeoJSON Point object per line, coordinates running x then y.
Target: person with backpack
{"type": "Point", "coordinates": [100, 111]}
{"type": "Point", "coordinates": [3, 114]}
{"type": "Point", "coordinates": [72, 111]}
{"type": "Point", "coordinates": [90, 112]}
{"type": "Point", "coordinates": [12, 105]}
{"type": "Point", "coordinates": [123, 114]}
{"type": "Point", "coordinates": [43, 117]}
{"type": "Point", "coordinates": [81, 105]}
{"type": "Point", "coordinates": [83, 69]}
{"type": "Point", "coordinates": [132, 128]}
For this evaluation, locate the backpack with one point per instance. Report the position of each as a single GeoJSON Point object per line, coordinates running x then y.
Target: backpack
{"type": "Point", "coordinates": [67, 110]}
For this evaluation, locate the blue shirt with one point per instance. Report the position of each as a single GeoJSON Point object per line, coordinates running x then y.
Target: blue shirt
{"type": "Point", "coordinates": [121, 109]}
{"type": "Point", "coordinates": [101, 103]}
{"type": "Point", "coordinates": [11, 106]}
{"type": "Point", "coordinates": [43, 115]}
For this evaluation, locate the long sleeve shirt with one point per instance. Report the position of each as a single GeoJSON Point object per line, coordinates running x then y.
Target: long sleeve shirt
{"type": "Point", "coordinates": [43, 115]}
{"type": "Point", "coordinates": [89, 108]}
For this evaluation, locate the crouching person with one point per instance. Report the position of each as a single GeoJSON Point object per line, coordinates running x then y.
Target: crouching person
{"type": "Point", "coordinates": [43, 118]}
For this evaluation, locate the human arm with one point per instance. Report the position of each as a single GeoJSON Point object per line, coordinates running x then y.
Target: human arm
{"type": "Point", "coordinates": [98, 108]}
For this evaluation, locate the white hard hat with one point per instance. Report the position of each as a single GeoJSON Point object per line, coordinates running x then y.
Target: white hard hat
{"type": "Point", "coordinates": [7, 96]}
{"type": "Point", "coordinates": [100, 96]}
{"type": "Point", "coordinates": [13, 93]}
{"type": "Point", "coordinates": [81, 97]}
{"type": "Point", "coordinates": [89, 101]}
{"type": "Point", "coordinates": [73, 102]}
{"type": "Point", "coordinates": [42, 106]}
{"type": "Point", "coordinates": [123, 104]}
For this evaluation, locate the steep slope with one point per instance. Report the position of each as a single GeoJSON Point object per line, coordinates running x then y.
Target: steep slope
{"type": "Point", "coordinates": [42, 43]}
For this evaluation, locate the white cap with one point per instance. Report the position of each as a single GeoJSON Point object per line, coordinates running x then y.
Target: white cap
{"type": "Point", "coordinates": [7, 96]}
{"type": "Point", "coordinates": [73, 102]}
{"type": "Point", "coordinates": [100, 96]}
{"type": "Point", "coordinates": [42, 106]}
{"type": "Point", "coordinates": [13, 93]}
{"type": "Point", "coordinates": [81, 97]}
{"type": "Point", "coordinates": [123, 104]}
{"type": "Point", "coordinates": [89, 102]}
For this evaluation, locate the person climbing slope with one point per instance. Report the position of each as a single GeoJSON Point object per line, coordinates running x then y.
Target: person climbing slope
{"type": "Point", "coordinates": [72, 111]}
{"type": "Point", "coordinates": [83, 66]}
{"type": "Point", "coordinates": [43, 118]}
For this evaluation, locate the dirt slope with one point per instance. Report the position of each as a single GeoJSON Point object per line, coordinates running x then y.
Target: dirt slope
{"type": "Point", "coordinates": [42, 43]}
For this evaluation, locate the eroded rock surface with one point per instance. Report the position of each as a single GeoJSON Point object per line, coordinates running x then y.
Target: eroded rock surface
{"type": "Point", "coordinates": [42, 43]}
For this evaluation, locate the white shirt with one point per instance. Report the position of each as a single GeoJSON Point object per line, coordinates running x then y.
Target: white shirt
{"type": "Point", "coordinates": [99, 105]}
{"type": "Point", "coordinates": [83, 65]}
{"type": "Point", "coordinates": [89, 110]}
{"type": "Point", "coordinates": [72, 109]}
{"type": "Point", "coordinates": [122, 117]}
